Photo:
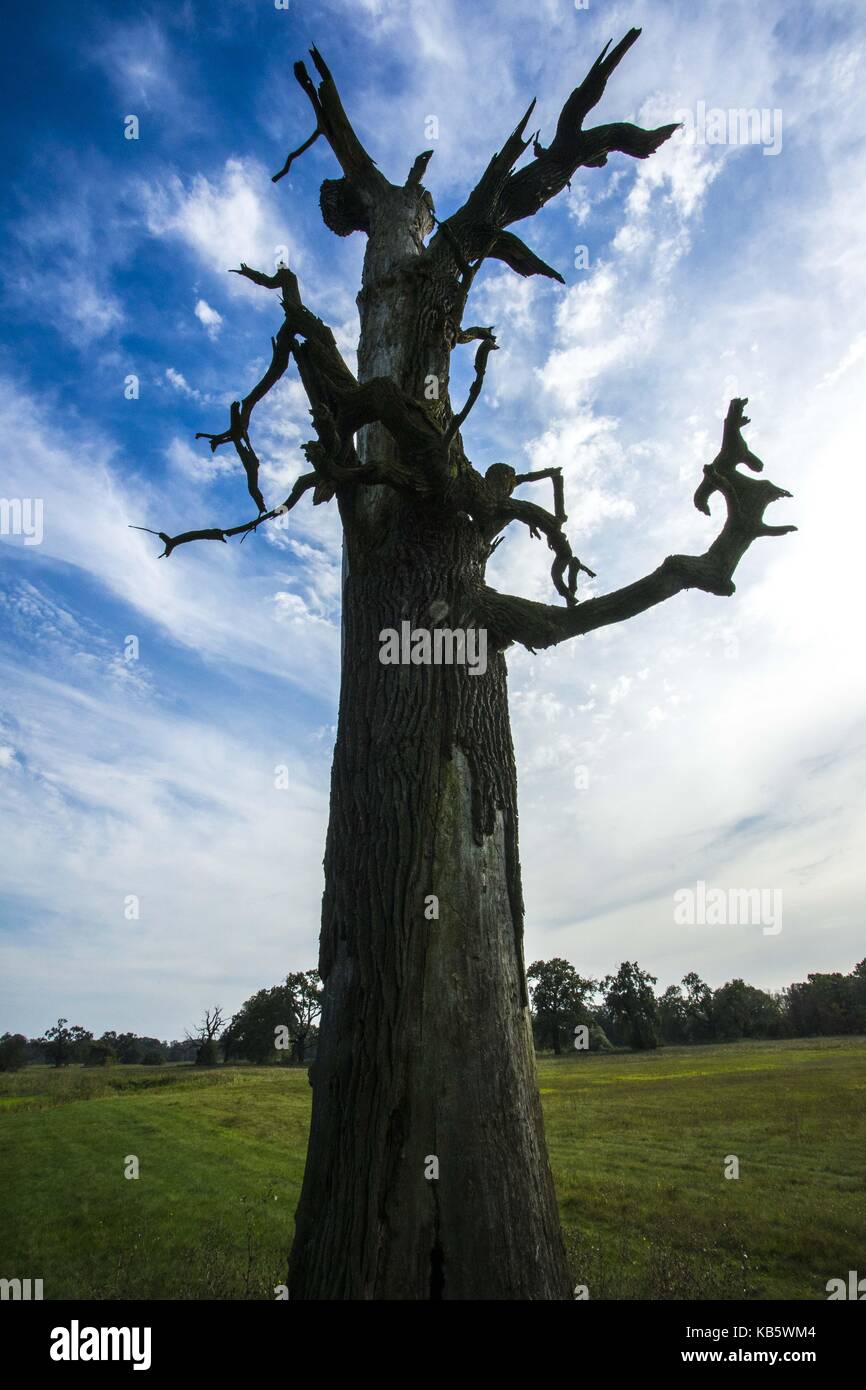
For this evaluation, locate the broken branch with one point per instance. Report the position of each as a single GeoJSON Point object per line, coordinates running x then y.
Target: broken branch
{"type": "Point", "coordinates": [334, 124]}
{"type": "Point", "coordinates": [275, 178]}
{"type": "Point", "coordinates": [539, 625]}
{"type": "Point", "coordinates": [504, 195]}
{"type": "Point", "coordinates": [219, 533]}
{"type": "Point", "coordinates": [488, 345]}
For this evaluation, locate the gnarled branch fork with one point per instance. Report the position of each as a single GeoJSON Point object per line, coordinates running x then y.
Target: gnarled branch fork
{"type": "Point", "coordinates": [539, 625]}
{"type": "Point", "coordinates": [495, 508]}
{"type": "Point", "coordinates": [318, 357]}
{"type": "Point", "coordinates": [428, 463]}
{"type": "Point", "coordinates": [504, 194]}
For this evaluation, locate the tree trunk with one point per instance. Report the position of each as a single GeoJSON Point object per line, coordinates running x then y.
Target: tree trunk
{"type": "Point", "coordinates": [427, 1175]}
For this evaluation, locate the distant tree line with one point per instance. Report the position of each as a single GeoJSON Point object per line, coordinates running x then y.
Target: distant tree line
{"type": "Point", "coordinates": [276, 1025]}
{"type": "Point", "coordinates": [63, 1045]}
{"type": "Point", "coordinates": [280, 1025]}
{"type": "Point", "coordinates": [624, 1010]}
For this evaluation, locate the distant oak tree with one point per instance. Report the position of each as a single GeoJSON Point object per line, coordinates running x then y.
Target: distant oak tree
{"type": "Point", "coordinates": [632, 1006]}
{"type": "Point", "coordinates": [559, 998]}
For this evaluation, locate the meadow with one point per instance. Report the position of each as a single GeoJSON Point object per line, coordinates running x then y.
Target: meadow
{"type": "Point", "coordinates": [639, 1144]}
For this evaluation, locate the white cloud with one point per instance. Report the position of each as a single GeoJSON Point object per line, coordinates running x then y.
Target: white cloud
{"type": "Point", "coordinates": [233, 218]}
{"type": "Point", "coordinates": [180, 383]}
{"type": "Point", "coordinates": [198, 463]}
{"type": "Point", "coordinates": [211, 319]}
{"type": "Point", "coordinates": [61, 257]}
{"type": "Point", "coordinates": [137, 59]}
{"type": "Point", "coordinates": [854, 354]}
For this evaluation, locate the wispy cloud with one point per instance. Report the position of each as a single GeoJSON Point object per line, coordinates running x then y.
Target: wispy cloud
{"type": "Point", "coordinates": [714, 739]}
{"type": "Point", "coordinates": [223, 221]}
{"type": "Point", "coordinates": [214, 601]}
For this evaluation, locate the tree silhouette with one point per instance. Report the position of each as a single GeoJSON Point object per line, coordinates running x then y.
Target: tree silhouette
{"type": "Point", "coordinates": [206, 1035]}
{"type": "Point", "coordinates": [425, 1045]}
{"type": "Point", "coordinates": [61, 1044]}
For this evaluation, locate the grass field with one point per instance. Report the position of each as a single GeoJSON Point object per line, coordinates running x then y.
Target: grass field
{"type": "Point", "coordinates": [638, 1144]}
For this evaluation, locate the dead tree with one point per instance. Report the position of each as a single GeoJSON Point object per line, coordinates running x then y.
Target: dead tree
{"type": "Point", "coordinates": [207, 1030]}
{"type": "Point", "coordinates": [426, 1047]}
{"type": "Point", "coordinates": [205, 1035]}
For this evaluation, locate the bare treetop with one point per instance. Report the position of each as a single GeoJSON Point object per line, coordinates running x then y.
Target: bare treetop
{"type": "Point", "coordinates": [426, 463]}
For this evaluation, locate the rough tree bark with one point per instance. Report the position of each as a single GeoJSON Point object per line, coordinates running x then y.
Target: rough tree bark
{"type": "Point", "coordinates": [425, 1049]}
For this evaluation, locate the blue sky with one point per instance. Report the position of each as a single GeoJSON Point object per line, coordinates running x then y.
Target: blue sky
{"type": "Point", "coordinates": [711, 739]}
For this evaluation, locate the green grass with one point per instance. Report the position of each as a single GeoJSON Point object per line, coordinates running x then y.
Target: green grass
{"type": "Point", "coordinates": [637, 1143]}
{"type": "Point", "coordinates": [221, 1157]}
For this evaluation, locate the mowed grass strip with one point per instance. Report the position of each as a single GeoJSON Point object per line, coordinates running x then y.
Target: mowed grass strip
{"type": "Point", "coordinates": [220, 1157]}
{"type": "Point", "coordinates": [638, 1144]}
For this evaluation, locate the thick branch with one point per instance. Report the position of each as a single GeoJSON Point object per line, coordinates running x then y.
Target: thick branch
{"type": "Point", "coordinates": [473, 334]}
{"type": "Point", "coordinates": [572, 147]}
{"type": "Point", "coordinates": [419, 168]}
{"type": "Point", "coordinates": [503, 195]}
{"type": "Point", "coordinates": [555, 475]}
{"type": "Point", "coordinates": [334, 124]}
{"type": "Point", "coordinates": [491, 505]}
{"type": "Point", "coordinates": [517, 256]}
{"type": "Point", "coordinates": [539, 625]}
{"type": "Point", "coordinates": [382, 400]}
